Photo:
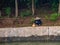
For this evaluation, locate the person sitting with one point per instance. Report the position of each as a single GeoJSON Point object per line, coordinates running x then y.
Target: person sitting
{"type": "Point", "coordinates": [38, 21]}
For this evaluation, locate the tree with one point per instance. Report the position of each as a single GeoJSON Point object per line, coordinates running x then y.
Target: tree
{"type": "Point", "coordinates": [1, 1]}
{"type": "Point", "coordinates": [16, 8]}
{"type": "Point", "coordinates": [0, 13]}
{"type": "Point", "coordinates": [32, 7]}
{"type": "Point", "coordinates": [59, 7]}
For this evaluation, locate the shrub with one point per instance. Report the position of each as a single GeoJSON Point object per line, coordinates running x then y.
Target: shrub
{"type": "Point", "coordinates": [32, 20]}
{"type": "Point", "coordinates": [26, 13]}
{"type": "Point", "coordinates": [46, 17]}
{"type": "Point", "coordinates": [58, 14]}
{"type": "Point", "coordinates": [54, 17]}
{"type": "Point", "coordinates": [8, 11]}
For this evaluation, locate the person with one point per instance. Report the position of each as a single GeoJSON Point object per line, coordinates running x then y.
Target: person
{"type": "Point", "coordinates": [38, 21]}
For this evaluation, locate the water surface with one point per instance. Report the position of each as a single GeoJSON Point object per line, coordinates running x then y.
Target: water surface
{"type": "Point", "coordinates": [31, 43]}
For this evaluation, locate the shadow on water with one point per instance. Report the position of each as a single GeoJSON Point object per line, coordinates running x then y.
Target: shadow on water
{"type": "Point", "coordinates": [32, 40]}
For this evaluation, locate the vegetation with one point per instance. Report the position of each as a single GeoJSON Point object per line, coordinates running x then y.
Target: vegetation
{"type": "Point", "coordinates": [32, 20]}
{"type": "Point", "coordinates": [52, 17]}
{"type": "Point", "coordinates": [28, 4]}
{"type": "Point", "coordinates": [8, 11]}
{"type": "Point", "coordinates": [54, 5]}
{"type": "Point", "coordinates": [25, 13]}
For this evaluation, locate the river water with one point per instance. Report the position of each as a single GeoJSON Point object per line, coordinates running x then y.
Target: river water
{"type": "Point", "coordinates": [31, 43]}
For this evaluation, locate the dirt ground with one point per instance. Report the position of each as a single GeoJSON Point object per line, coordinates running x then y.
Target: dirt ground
{"type": "Point", "coordinates": [20, 22]}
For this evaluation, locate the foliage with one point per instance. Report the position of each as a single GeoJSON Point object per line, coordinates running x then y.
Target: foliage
{"type": "Point", "coordinates": [8, 11]}
{"type": "Point", "coordinates": [58, 14]}
{"type": "Point", "coordinates": [53, 17]}
{"type": "Point", "coordinates": [32, 20]}
{"type": "Point", "coordinates": [26, 4]}
{"type": "Point", "coordinates": [54, 6]}
{"type": "Point", "coordinates": [46, 17]}
{"type": "Point", "coordinates": [25, 13]}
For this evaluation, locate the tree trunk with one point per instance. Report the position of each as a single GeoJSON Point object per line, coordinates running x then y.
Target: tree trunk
{"type": "Point", "coordinates": [0, 13]}
{"type": "Point", "coordinates": [16, 10]}
{"type": "Point", "coordinates": [59, 7]}
{"type": "Point", "coordinates": [32, 7]}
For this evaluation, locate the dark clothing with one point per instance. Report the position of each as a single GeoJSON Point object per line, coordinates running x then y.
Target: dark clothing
{"type": "Point", "coordinates": [38, 22]}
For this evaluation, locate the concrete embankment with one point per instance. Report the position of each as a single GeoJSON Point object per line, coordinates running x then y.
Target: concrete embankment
{"type": "Point", "coordinates": [25, 33]}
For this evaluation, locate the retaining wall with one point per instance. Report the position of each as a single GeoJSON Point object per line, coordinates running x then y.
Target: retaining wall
{"type": "Point", "coordinates": [28, 31]}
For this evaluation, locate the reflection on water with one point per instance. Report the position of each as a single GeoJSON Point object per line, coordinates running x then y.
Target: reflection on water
{"type": "Point", "coordinates": [32, 43]}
